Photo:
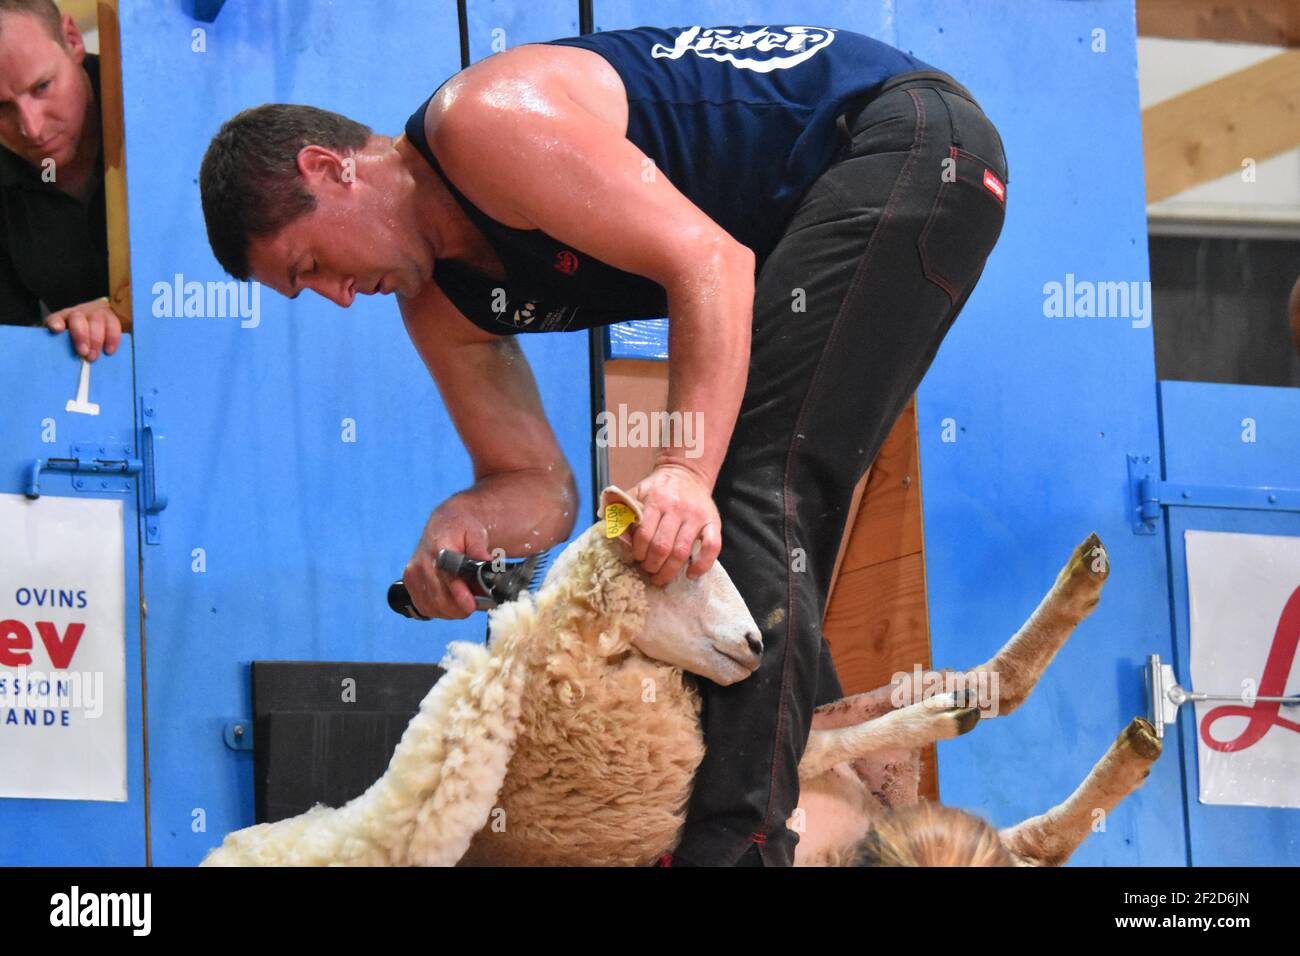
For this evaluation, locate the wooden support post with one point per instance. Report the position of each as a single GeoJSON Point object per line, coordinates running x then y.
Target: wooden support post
{"type": "Point", "coordinates": [110, 84]}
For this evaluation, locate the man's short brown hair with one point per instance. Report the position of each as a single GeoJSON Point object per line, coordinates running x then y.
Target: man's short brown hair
{"type": "Point", "coordinates": [43, 10]}
{"type": "Point", "coordinates": [249, 179]}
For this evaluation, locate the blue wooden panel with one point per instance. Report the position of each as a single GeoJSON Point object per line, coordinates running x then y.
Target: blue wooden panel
{"type": "Point", "coordinates": [1203, 443]}
{"type": "Point", "coordinates": [301, 531]}
{"type": "Point", "coordinates": [642, 339]}
{"type": "Point", "coordinates": [1044, 411]}
{"type": "Point", "coordinates": [496, 25]}
{"type": "Point", "coordinates": [41, 373]}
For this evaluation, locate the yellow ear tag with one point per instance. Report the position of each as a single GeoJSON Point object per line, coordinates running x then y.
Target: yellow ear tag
{"type": "Point", "coordinates": [618, 518]}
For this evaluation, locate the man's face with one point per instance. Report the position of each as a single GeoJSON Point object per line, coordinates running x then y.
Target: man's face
{"type": "Point", "coordinates": [44, 92]}
{"type": "Point", "coordinates": [357, 241]}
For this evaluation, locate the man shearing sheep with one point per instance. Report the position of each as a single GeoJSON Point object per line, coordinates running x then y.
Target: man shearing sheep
{"type": "Point", "coordinates": [810, 208]}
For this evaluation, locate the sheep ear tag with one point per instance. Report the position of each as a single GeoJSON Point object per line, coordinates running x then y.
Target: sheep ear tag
{"type": "Point", "coordinates": [619, 510]}
{"type": "Point", "coordinates": [618, 518]}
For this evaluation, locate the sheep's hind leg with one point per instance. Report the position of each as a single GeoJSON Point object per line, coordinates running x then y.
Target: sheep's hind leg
{"type": "Point", "coordinates": [1050, 838]}
{"type": "Point", "coordinates": [1023, 659]}
{"type": "Point", "coordinates": [939, 718]}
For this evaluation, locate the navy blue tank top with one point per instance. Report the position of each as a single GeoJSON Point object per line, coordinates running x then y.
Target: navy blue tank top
{"type": "Point", "coordinates": [740, 119]}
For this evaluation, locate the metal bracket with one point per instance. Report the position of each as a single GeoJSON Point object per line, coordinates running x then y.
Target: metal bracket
{"type": "Point", "coordinates": [1164, 696]}
{"type": "Point", "coordinates": [95, 467]}
{"type": "Point", "coordinates": [1148, 494]}
{"type": "Point", "coordinates": [238, 734]}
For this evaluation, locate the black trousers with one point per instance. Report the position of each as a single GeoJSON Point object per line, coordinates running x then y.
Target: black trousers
{"type": "Point", "coordinates": [849, 311]}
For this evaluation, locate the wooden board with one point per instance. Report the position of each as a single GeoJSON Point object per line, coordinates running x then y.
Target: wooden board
{"type": "Point", "coordinates": [110, 84]}
{"type": "Point", "coordinates": [877, 618]}
{"type": "Point", "coordinates": [1208, 131]}
{"type": "Point", "coordinates": [1273, 22]}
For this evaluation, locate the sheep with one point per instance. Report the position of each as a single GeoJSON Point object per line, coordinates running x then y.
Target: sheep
{"type": "Point", "coordinates": [574, 738]}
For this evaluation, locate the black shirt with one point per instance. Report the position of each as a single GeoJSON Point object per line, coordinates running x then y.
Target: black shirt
{"type": "Point", "coordinates": [549, 286]}
{"type": "Point", "coordinates": [53, 247]}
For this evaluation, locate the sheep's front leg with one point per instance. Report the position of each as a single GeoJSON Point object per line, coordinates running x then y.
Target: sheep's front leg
{"type": "Point", "coordinates": [938, 718]}
{"type": "Point", "coordinates": [1050, 838]}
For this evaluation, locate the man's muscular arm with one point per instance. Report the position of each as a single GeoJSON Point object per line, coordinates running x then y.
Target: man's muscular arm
{"type": "Point", "coordinates": [524, 497]}
{"type": "Point", "coordinates": [528, 154]}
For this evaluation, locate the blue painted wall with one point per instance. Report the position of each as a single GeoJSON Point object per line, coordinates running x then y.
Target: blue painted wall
{"type": "Point", "coordinates": [301, 533]}
{"type": "Point", "coordinates": [1043, 409]}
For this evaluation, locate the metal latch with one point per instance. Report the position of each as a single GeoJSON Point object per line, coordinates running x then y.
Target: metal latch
{"type": "Point", "coordinates": [1148, 494]}
{"type": "Point", "coordinates": [1164, 696]}
{"type": "Point", "coordinates": [106, 467]}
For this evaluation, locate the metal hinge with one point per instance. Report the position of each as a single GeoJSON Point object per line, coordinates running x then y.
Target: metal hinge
{"type": "Point", "coordinates": [1148, 494]}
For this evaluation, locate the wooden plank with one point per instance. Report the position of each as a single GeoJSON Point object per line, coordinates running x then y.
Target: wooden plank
{"type": "Point", "coordinates": [1272, 22]}
{"type": "Point", "coordinates": [85, 13]}
{"type": "Point", "coordinates": [877, 615]}
{"type": "Point", "coordinates": [110, 84]}
{"type": "Point", "coordinates": [892, 500]}
{"type": "Point", "coordinates": [1208, 131]}
{"type": "Point", "coordinates": [641, 386]}
{"type": "Point", "coordinates": [877, 626]}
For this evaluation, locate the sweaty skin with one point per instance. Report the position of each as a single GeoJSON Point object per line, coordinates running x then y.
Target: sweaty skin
{"type": "Point", "coordinates": [535, 137]}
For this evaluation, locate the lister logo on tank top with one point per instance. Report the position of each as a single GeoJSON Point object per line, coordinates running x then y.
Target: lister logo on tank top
{"type": "Point", "coordinates": [761, 49]}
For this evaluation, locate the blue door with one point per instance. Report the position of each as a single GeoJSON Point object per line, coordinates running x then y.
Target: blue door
{"type": "Point", "coordinates": [1228, 450]}
{"type": "Point", "coordinates": [42, 376]}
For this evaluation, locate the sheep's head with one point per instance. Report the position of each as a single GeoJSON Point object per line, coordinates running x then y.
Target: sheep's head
{"type": "Point", "coordinates": [700, 625]}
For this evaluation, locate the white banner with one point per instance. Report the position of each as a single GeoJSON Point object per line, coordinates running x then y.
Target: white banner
{"type": "Point", "coordinates": [62, 649]}
{"type": "Point", "coordinates": [1244, 597]}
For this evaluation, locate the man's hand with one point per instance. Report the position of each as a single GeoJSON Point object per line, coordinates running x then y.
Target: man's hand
{"type": "Point", "coordinates": [436, 593]}
{"type": "Point", "coordinates": [678, 508]}
{"type": "Point", "coordinates": [92, 325]}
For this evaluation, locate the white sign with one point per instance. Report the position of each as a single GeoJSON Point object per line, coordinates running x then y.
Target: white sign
{"type": "Point", "coordinates": [62, 649]}
{"type": "Point", "coordinates": [1244, 595]}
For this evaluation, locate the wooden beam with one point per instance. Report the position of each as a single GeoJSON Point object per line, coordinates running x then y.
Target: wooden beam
{"type": "Point", "coordinates": [1273, 22]}
{"type": "Point", "coordinates": [1209, 131]}
{"type": "Point", "coordinates": [877, 619]}
{"type": "Point", "coordinates": [110, 86]}
{"type": "Point", "coordinates": [84, 12]}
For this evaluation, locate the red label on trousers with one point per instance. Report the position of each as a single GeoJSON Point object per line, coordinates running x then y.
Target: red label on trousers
{"type": "Point", "coordinates": [995, 185]}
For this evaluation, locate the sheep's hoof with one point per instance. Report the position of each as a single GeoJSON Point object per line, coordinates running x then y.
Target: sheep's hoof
{"type": "Point", "coordinates": [1140, 737]}
{"type": "Point", "coordinates": [1080, 581]}
{"type": "Point", "coordinates": [966, 718]}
